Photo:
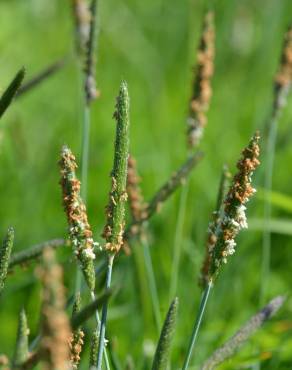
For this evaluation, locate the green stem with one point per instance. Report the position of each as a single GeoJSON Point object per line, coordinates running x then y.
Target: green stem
{"type": "Point", "coordinates": [197, 325]}
{"type": "Point", "coordinates": [266, 248]}
{"type": "Point", "coordinates": [101, 346]}
{"type": "Point", "coordinates": [178, 241]}
{"type": "Point", "coordinates": [93, 298]}
{"type": "Point", "coordinates": [152, 282]}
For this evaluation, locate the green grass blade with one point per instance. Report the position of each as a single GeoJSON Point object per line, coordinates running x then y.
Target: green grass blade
{"type": "Point", "coordinates": [11, 91]}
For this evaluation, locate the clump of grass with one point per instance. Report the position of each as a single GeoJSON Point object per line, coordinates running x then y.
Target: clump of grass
{"type": "Point", "coordinates": [79, 229]}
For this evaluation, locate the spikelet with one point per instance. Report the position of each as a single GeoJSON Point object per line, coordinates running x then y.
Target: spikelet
{"type": "Point", "coordinates": [202, 91]}
{"type": "Point", "coordinates": [5, 253]}
{"type": "Point", "coordinates": [233, 218]}
{"type": "Point", "coordinates": [76, 341]}
{"type": "Point", "coordinates": [229, 348]}
{"type": "Point", "coordinates": [55, 329]}
{"type": "Point", "coordinates": [21, 353]}
{"type": "Point", "coordinates": [82, 19]}
{"type": "Point", "coordinates": [115, 211]}
{"type": "Point", "coordinates": [79, 229]}
{"type": "Point", "coordinates": [93, 350]}
{"type": "Point", "coordinates": [284, 76]}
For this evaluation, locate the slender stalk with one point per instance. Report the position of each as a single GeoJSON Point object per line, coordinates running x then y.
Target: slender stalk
{"type": "Point", "coordinates": [152, 282]}
{"type": "Point", "coordinates": [178, 240]}
{"type": "Point", "coordinates": [197, 325]}
{"type": "Point", "coordinates": [93, 298]}
{"type": "Point", "coordinates": [268, 181]}
{"type": "Point", "coordinates": [111, 257]}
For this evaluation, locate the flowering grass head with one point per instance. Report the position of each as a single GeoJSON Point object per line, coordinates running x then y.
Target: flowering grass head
{"type": "Point", "coordinates": [79, 229]}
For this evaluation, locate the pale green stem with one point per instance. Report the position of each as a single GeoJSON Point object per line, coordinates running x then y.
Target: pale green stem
{"type": "Point", "coordinates": [101, 346]}
{"type": "Point", "coordinates": [151, 281]}
{"type": "Point", "coordinates": [197, 325]}
{"type": "Point", "coordinates": [178, 241]}
{"type": "Point", "coordinates": [93, 298]}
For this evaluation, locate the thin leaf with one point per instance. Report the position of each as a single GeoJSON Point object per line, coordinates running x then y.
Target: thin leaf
{"type": "Point", "coordinates": [11, 91]}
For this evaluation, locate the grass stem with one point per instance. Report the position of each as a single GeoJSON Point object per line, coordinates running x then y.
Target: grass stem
{"type": "Point", "coordinates": [197, 325]}
{"type": "Point", "coordinates": [101, 346]}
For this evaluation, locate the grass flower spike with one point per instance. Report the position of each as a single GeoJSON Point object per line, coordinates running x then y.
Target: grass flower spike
{"type": "Point", "coordinates": [79, 229]}
{"type": "Point", "coordinates": [21, 351]}
{"type": "Point", "coordinates": [115, 212]}
{"type": "Point", "coordinates": [5, 253]}
{"type": "Point", "coordinates": [76, 341]}
{"type": "Point", "coordinates": [233, 217]}
{"type": "Point", "coordinates": [202, 91]}
{"type": "Point", "coordinates": [54, 348]}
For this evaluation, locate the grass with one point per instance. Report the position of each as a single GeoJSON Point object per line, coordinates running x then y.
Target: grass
{"type": "Point", "coordinates": [152, 46]}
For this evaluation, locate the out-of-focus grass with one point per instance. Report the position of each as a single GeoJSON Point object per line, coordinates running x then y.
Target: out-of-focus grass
{"type": "Point", "coordinates": [152, 45]}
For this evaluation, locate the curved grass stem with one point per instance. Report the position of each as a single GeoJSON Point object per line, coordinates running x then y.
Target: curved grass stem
{"type": "Point", "coordinates": [197, 325]}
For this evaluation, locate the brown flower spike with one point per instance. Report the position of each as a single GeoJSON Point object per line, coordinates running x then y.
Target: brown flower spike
{"type": "Point", "coordinates": [54, 349]}
{"type": "Point", "coordinates": [79, 229]}
{"type": "Point", "coordinates": [202, 91]}
{"type": "Point", "coordinates": [225, 227]}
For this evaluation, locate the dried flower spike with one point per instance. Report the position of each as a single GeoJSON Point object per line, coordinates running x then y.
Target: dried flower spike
{"type": "Point", "coordinates": [55, 328]}
{"type": "Point", "coordinates": [284, 76]}
{"type": "Point", "coordinates": [79, 229]}
{"type": "Point", "coordinates": [115, 212]}
{"type": "Point", "coordinates": [21, 353]}
{"type": "Point", "coordinates": [5, 253]}
{"type": "Point", "coordinates": [76, 341]}
{"type": "Point", "coordinates": [136, 201]}
{"type": "Point", "coordinates": [233, 218]}
{"type": "Point", "coordinates": [229, 348]}
{"type": "Point", "coordinates": [202, 91]}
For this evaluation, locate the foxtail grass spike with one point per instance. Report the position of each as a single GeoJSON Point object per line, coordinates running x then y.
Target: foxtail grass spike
{"type": "Point", "coordinates": [229, 348]}
{"type": "Point", "coordinates": [76, 341]}
{"type": "Point", "coordinates": [34, 252]}
{"type": "Point", "coordinates": [11, 91]}
{"type": "Point", "coordinates": [162, 353]}
{"type": "Point", "coordinates": [115, 212]}
{"type": "Point", "coordinates": [211, 237]}
{"type": "Point", "coordinates": [40, 77]}
{"type": "Point", "coordinates": [233, 217]}
{"type": "Point", "coordinates": [202, 91]}
{"type": "Point", "coordinates": [21, 353]}
{"type": "Point", "coordinates": [55, 328]}
{"type": "Point", "coordinates": [90, 84]}
{"type": "Point", "coordinates": [82, 16]}
{"type": "Point", "coordinates": [79, 229]}
{"type": "Point", "coordinates": [5, 253]}
{"type": "Point", "coordinates": [93, 350]}
{"type": "Point", "coordinates": [88, 311]}
{"type": "Point", "coordinates": [135, 198]}
{"type": "Point", "coordinates": [155, 204]}
{"type": "Point", "coordinates": [283, 78]}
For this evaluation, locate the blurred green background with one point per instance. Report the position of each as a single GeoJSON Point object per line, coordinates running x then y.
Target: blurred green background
{"type": "Point", "coordinates": [152, 45]}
